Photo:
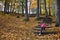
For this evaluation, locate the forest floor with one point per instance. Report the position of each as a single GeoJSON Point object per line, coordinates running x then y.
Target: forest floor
{"type": "Point", "coordinates": [13, 28]}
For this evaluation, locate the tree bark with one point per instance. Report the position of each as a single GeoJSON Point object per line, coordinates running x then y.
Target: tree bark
{"type": "Point", "coordinates": [49, 9]}
{"type": "Point", "coordinates": [5, 7]}
{"type": "Point", "coordinates": [38, 16]}
{"type": "Point", "coordinates": [46, 9]}
{"type": "Point", "coordinates": [8, 7]}
{"type": "Point", "coordinates": [40, 7]}
{"type": "Point", "coordinates": [58, 12]}
{"type": "Point", "coordinates": [27, 17]}
{"type": "Point", "coordinates": [22, 9]}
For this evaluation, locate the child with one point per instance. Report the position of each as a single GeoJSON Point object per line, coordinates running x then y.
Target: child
{"type": "Point", "coordinates": [43, 26]}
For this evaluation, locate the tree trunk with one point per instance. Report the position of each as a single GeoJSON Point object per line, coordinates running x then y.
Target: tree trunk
{"type": "Point", "coordinates": [45, 9]}
{"type": "Point", "coordinates": [5, 7]}
{"type": "Point", "coordinates": [40, 7]}
{"type": "Point", "coordinates": [14, 6]}
{"type": "Point", "coordinates": [11, 7]}
{"type": "Point", "coordinates": [22, 9]}
{"type": "Point", "coordinates": [27, 17]}
{"type": "Point", "coordinates": [38, 16]}
{"type": "Point", "coordinates": [58, 13]}
{"type": "Point", "coordinates": [49, 9]}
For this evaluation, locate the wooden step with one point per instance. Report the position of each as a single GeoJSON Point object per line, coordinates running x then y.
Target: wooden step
{"type": "Point", "coordinates": [53, 32]}
{"type": "Point", "coordinates": [40, 27]}
{"type": "Point", "coordinates": [50, 29]}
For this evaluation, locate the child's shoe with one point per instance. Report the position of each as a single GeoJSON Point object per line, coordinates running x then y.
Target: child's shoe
{"type": "Point", "coordinates": [39, 33]}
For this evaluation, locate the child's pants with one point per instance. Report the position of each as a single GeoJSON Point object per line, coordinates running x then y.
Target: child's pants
{"type": "Point", "coordinates": [41, 31]}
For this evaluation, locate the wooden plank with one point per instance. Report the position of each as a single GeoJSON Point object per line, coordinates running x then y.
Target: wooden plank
{"type": "Point", "coordinates": [53, 32]}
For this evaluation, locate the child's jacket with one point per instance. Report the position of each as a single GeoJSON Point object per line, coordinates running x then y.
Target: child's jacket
{"type": "Point", "coordinates": [43, 25]}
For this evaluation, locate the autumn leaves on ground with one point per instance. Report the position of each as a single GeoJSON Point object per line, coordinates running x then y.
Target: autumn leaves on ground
{"type": "Point", "coordinates": [12, 28]}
